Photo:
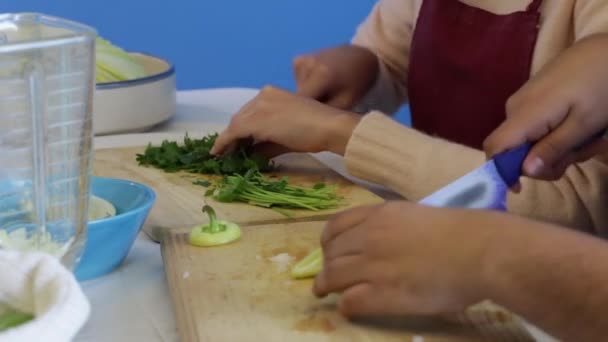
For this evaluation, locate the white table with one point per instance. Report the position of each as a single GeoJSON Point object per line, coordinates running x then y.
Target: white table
{"type": "Point", "coordinates": [133, 303]}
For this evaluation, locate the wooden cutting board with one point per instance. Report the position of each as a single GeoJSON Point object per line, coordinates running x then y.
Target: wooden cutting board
{"type": "Point", "coordinates": [179, 202]}
{"type": "Point", "coordinates": [236, 293]}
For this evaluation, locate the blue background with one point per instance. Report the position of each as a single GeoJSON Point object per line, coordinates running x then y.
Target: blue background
{"type": "Point", "coordinates": [221, 43]}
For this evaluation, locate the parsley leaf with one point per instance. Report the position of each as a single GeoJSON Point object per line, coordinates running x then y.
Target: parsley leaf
{"type": "Point", "coordinates": [194, 156]}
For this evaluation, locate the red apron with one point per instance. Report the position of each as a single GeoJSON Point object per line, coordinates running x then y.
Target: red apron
{"type": "Point", "coordinates": [465, 63]}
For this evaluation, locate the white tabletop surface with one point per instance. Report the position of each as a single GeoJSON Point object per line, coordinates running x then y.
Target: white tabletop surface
{"type": "Point", "coordinates": [133, 303]}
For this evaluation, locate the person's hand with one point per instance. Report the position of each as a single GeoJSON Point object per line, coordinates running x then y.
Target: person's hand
{"type": "Point", "coordinates": [280, 122]}
{"type": "Point", "coordinates": [561, 109]}
{"type": "Point", "coordinates": [339, 76]}
{"type": "Point", "coordinates": [401, 258]}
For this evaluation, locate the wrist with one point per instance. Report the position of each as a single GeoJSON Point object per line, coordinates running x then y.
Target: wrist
{"type": "Point", "coordinates": [370, 86]}
{"type": "Point", "coordinates": [372, 65]}
{"type": "Point", "coordinates": [518, 255]}
{"type": "Point", "coordinates": [341, 129]}
{"type": "Point", "coordinates": [549, 276]}
{"type": "Point", "coordinates": [503, 251]}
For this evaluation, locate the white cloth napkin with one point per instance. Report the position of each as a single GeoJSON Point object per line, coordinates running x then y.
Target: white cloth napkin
{"type": "Point", "coordinates": [40, 285]}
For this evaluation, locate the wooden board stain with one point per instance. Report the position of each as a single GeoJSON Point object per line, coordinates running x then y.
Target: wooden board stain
{"type": "Point", "coordinates": [314, 324]}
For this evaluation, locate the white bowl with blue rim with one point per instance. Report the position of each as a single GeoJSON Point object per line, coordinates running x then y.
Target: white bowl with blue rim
{"type": "Point", "coordinates": [110, 237]}
{"type": "Point", "coordinates": [136, 105]}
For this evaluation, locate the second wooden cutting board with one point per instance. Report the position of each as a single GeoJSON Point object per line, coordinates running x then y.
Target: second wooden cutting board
{"type": "Point", "coordinates": [179, 202]}
{"type": "Point", "coordinates": [241, 292]}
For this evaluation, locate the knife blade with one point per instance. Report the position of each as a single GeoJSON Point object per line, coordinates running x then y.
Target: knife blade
{"type": "Point", "coordinates": [485, 187]}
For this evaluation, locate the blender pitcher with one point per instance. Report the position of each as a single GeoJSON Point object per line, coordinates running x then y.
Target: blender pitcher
{"type": "Point", "coordinates": [46, 91]}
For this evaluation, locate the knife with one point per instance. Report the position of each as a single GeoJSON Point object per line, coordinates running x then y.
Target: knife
{"type": "Point", "coordinates": [485, 187]}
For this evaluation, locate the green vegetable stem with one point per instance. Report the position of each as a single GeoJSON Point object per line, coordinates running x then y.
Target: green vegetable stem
{"type": "Point", "coordinates": [255, 189]}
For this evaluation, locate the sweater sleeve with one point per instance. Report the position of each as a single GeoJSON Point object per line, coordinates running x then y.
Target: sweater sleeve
{"type": "Point", "coordinates": [590, 17]}
{"type": "Point", "coordinates": [387, 32]}
{"type": "Point", "coordinates": [415, 165]}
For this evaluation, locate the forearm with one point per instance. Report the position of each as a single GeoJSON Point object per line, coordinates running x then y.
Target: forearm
{"type": "Point", "coordinates": [553, 277]}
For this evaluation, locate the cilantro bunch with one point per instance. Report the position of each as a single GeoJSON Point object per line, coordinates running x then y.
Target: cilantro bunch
{"type": "Point", "coordinates": [193, 156]}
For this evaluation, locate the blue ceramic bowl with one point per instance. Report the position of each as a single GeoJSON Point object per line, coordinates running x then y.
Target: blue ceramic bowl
{"type": "Point", "coordinates": [109, 240]}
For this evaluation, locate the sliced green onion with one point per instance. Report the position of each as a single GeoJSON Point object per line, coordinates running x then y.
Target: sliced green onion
{"type": "Point", "coordinates": [215, 233]}
{"type": "Point", "coordinates": [309, 266]}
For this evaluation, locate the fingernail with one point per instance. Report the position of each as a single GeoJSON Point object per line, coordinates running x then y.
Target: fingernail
{"type": "Point", "coordinates": [534, 166]}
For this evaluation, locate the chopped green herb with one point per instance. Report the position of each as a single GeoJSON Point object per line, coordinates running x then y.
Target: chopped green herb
{"type": "Point", "coordinates": [204, 183]}
{"type": "Point", "coordinates": [256, 189]}
{"type": "Point", "coordinates": [318, 186]}
{"type": "Point", "coordinates": [194, 156]}
{"type": "Point", "coordinates": [242, 181]}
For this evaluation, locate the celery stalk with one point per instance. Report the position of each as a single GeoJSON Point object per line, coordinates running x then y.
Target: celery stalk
{"type": "Point", "coordinates": [115, 64]}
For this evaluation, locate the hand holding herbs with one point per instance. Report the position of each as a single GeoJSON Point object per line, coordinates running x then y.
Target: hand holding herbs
{"type": "Point", "coordinates": [215, 233]}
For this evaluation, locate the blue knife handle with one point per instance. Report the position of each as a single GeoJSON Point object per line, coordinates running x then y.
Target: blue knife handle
{"type": "Point", "coordinates": [509, 163]}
